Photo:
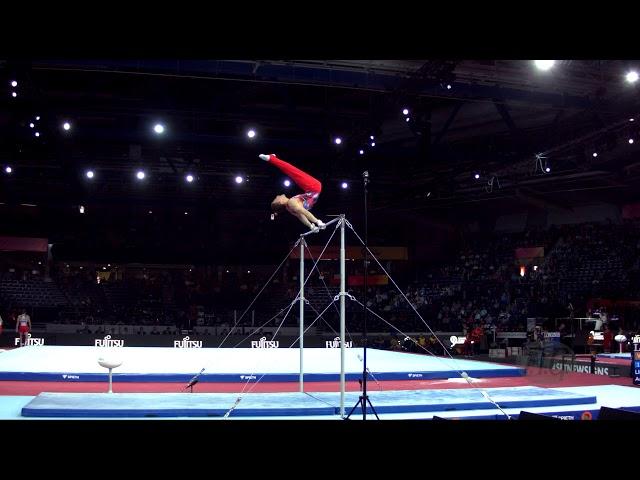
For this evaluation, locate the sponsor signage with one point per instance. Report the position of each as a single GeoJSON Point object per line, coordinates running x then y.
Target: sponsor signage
{"type": "Point", "coordinates": [31, 341]}
{"type": "Point", "coordinates": [186, 343]}
{"type": "Point", "coordinates": [264, 343]}
{"type": "Point", "coordinates": [335, 343]}
{"type": "Point", "coordinates": [108, 342]}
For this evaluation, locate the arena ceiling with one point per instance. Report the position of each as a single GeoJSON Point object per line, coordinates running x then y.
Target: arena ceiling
{"type": "Point", "coordinates": [503, 120]}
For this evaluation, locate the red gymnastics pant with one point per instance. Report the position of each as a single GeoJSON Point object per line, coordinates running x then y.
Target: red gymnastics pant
{"type": "Point", "coordinates": [305, 181]}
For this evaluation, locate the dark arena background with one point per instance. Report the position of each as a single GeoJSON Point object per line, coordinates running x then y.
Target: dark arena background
{"type": "Point", "coordinates": [480, 260]}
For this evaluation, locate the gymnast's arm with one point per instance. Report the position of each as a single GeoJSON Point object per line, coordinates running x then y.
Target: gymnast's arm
{"type": "Point", "coordinates": [295, 208]}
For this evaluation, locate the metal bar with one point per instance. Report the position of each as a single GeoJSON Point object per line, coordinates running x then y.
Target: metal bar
{"type": "Point", "coordinates": [342, 316]}
{"type": "Point", "coordinates": [327, 224]}
{"type": "Point", "coordinates": [301, 338]}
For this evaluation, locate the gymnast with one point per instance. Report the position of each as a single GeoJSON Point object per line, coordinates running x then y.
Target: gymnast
{"type": "Point", "coordinates": [299, 205]}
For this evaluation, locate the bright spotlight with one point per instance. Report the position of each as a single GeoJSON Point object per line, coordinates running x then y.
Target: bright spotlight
{"type": "Point", "coordinates": [544, 65]}
{"type": "Point", "coordinates": [14, 94]}
{"type": "Point", "coordinates": [239, 179]}
{"type": "Point", "coordinates": [158, 128]}
{"type": "Point", "coordinates": [405, 111]}
{"type": "Point", "coordinates": [81, 208]}
{"type": "Point", "coordinates": [448, 86]}
{"type": "Point", "coordinates": [37, 118]}
{"type": "Point", "coordinates": [186, 213]}
{"type": "Point", "coordinates": [338, 140]}
{"type": "Point", "coordinates": [287, 183]}
{"type": "Point", "coordinates": [547, 169]}
{"type": "Point", "coordinates": [373, 144]}
{"type": "Point", "coordinates": [631, 140]}
{"type": "Point", "coordinates": [631, 119]}
{"type": "Point", "coordinates": [361, 152]}
{"type": "Point", "coordinates": [595, 154]}
{"type": "Point", "coordinates": [251, 133]}
{"type": "Point", "coordinates": [632, 76]}
{"type": "Point", "coordinates": [31, 125]}
{"type": "Point", "coordinates": [14, 83]}
{"type": "Point", "coordinates": [345, 185]}
{"type": "Point", "coordinates": [140, 175]}
{"type": "Point", "coordinates": [150, 212]}
{"type": "Point", "coordinates": [37, 134]}
{"type": "Point", "coordinates": [89, 174]}
{"type": "Point", "coordinates": [8, 169]}
{"type": "Point", "coordinates": [407, 119]}
{"type": "Point", "coordinates": [189, 178]}
{"type": "Point", "coordinates": [371, 137]}
{"type": "Point", "coordinates": [476, 176]}
{"type": "Point", "coordinates": [66, 126]}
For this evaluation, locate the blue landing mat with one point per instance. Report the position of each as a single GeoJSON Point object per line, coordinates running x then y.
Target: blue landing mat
{"type": "Point", "coordinates": [288, 404]}
{"type": "Point", "coordinates": [624, 356]}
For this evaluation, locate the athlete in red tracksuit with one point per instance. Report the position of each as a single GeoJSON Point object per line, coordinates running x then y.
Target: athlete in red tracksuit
{"type": "Point", "coordinates": [299, 205]}
{"type": "Point", "coordinates": [23, 326]}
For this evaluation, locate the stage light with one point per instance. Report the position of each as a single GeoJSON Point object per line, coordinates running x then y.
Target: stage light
{"type": "Point", "coordinates": [371, 137]}
{"type": "Point", "coordinates": [189, 178]}
{"type": "Point", "coordinates": [150, 212]}
{"type": "Point", "coordinates": [239, 179]}
{"type": "Point", "coordinates": [405, 111]}
{"type": "Point", "coordinates": [448, 86]}
{"type": "Point", "coordinates": [595, 154]}
{"type": "Point", "coordinates": [37, 118]}
{"type": "Point", "coordinates": [14, 94]}
{"type": "Point", "coordinates": [140, 175]}
{"type": "Point", "coordinates": [31, 125]}
{"type": "Point", "coordinates": [37, 134]}
{"type": "Point", "coordinates": [8, 169]}
{"type": "Point", "coordinates": [287, 183]}
{"type": "Point", "coordinates": [373, 144]}
{"type": "Point", "coordinates": [248, 271]}
{"type": "Point", "coordinates": [345, 185]}
{"type": "Point", "coordinates": [66, 126]}
{"type": "Point", "coordinates": [632, 76]}
{"type": "Point", "coordinates": [547, 169]}
{"type": "Point", "coordinates": [108, 264]}
{"type": "Point", "coordinates": [631, 140]}
{"type": "Point", "coordinates": [104, 268]}
{"type": "Point", "coordinates": [407, 119]}
{"type": "Point", "coordinates": [89, 174]}
{"type": "Point", "coordinates": [361, 152]}
{"type": "Point", "coordinates": [186, 213]}
{"type": "Point", "coordinates": [544, 65]}
{"type": "Point", "coordinates": [14, 83]}
{"type": "Point", "coordinates": [476, 176]}
{"type": "Point", "coordinates": [251, 133]}
{"type": "Point", "coordinates": [338, 140]}
{"type": "Point", "coordinates": [631, 119]}
{"type": "Point", "coordinates": [81, 208]}
{"type": "Point", "coordinates": [158, 128]}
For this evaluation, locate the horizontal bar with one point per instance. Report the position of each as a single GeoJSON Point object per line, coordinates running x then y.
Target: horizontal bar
{"type": "Point", "coordinates": [327, 224]}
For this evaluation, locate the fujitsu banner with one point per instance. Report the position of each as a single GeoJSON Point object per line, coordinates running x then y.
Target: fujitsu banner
{"type": "Point", "coordinates": [335, 343]}
{"type": "Point", "coordinates": [186, 343]}
{"type": "Point", "coordinates": [264, 343]}
{"type": "Point", "coordinates": [107, 342]}
{"type": "Point", "coordinates": [30, 341]}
